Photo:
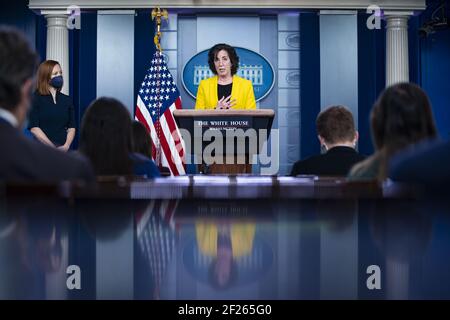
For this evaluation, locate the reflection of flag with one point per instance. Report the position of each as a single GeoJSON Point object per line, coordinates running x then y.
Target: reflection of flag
{"type": "Point", "coordinates": [158, 97]}
{"type": "Point", "coordinates": [156, 237]}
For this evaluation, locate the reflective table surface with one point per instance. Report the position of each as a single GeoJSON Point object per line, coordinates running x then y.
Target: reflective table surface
{"type": "Point", "coordinates": [255, 249]}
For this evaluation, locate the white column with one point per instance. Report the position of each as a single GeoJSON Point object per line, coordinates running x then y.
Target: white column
{"type": "Point", "coordinates": [58, 43]}
{"type": "Point", "coordinates": [397, 57]}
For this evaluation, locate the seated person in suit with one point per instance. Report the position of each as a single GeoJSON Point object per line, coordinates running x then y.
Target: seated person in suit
{"type": "Point", "coordinates": [22, 159]}
{"type": "Point", "coordinates": [425, 164]}
{"type": "Point", "coordinates": [337, 135]}
{"type": "Point", "coordinates": [400, 118]}
{"type": "Point", "coordinates": [225, 90]}
{"type": "Point", "coordinates": [106, 139]}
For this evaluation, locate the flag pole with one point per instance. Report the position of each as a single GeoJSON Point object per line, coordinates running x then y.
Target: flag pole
{"type": "Point", "coordinates": [158, 14]}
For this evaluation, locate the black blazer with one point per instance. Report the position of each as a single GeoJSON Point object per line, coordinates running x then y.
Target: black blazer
{"type": "Point", "coordinates": [336, 162]}
{"type": "Point", "coordinates": [25, 160]}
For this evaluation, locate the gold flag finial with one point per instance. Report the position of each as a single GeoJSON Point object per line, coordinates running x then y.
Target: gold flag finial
{"type": "Point", "coordinates": [158, 14]}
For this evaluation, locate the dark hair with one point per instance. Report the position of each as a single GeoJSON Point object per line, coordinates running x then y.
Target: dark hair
{"type": "Point", "coordinates": [212, 54]}
{"type": "Point", "coordinates": [44, 76]}
{"type": "Point", "coordinates": [105, 137]}
{"type": "Point", "coordinates": [17, 64]}
{"type": "Point", "coordinates": [335, 124]}
{"type": "Point", "coordinates": [213, 279]}
{"type": "Point", "coordinates": [142, 142]}
{"type": "Point", "coordinates": [400, 117]}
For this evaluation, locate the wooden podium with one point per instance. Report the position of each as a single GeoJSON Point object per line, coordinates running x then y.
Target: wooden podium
{"type": "Point", "coordinates": [227, 122]}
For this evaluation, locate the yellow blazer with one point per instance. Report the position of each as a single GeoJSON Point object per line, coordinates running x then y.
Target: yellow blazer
{"type": "Point", "coordinates": [241, 234]}
{"type": "Point", "coordinates": [242, 91]}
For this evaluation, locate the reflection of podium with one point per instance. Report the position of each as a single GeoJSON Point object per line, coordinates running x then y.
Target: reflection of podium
{"type": "Point", "coordinates": [224, 140]}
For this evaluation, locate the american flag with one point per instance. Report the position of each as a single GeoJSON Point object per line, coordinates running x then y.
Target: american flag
{"type": "Point", "coordinates": [158, 97]}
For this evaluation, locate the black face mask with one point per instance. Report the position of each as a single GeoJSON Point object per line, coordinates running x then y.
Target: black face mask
{"type": "Point", "coordinates": [57, 82]}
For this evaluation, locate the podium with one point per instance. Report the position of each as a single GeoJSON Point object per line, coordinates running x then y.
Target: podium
{"type": "Point", "coordinates": [224, 140]}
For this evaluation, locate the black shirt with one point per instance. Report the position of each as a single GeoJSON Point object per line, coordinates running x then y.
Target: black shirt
{"type": "Point", "coordinates": [53, 119]}
{"type": "Point", "coordinates": [336, 162]}
{"type": "Point", "coordinates": [224, 90]}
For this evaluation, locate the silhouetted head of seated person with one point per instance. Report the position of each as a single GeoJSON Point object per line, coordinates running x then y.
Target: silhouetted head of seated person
{"type": "Point", "coordinates": [106, 139]}
{"type": "Point", "coordinates": [338, 138]}
{"type": "Point", "coordinates": [401, 117]}
{"type": "Point", "coordinates": [24, 160]}
{"type": "Point", "coordinates": [17, 67]}
{"type": "Point", "coordinates": [142, 144]}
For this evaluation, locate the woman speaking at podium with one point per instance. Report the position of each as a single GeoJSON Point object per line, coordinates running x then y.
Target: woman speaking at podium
{"type": "Point", "coordinates": [225, 90]}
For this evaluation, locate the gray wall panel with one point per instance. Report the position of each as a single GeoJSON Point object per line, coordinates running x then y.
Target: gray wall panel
{"type": "Point", "coordinates": [236, 31]}
{"type": "Point", "coordinates": [289, 98]}
{"type": "Point", "coordinates": [339, 61]}
{"type": "Point", "coordinates": [187, 47]}
{"type": "Point", "coordinates": [289, 59]}
{"type": "Point", "coordinates": [115, 57]}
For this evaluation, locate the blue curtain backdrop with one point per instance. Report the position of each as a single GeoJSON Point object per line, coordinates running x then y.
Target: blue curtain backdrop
{"type": "Point", "coordinates": [434, 57]}
{"type": "Point", "coordinates": [144, 47]}
{"type": "Point", "coordinates": [309, 82]}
